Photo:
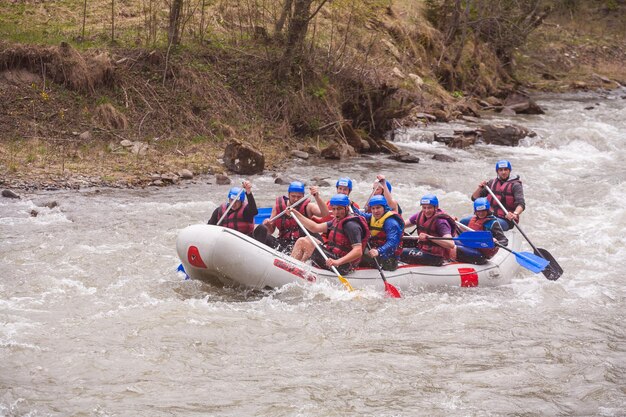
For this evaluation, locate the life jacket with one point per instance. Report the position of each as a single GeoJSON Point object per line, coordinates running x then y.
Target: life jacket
{"type": "Point", "coordinates": [235, 220]}
{"type": "Point", "coordinates": [338, 242]}
{"type": "Point", "coordinates": [484, 224]}
{"type": "Point", "coordinates": [428, 226]}
{"type": "Point", "coordinates": [287, 227]}
{"type": "Point", "coordinates": [504, 191]}
{"type": "Point", "coordinates": [378, 235]}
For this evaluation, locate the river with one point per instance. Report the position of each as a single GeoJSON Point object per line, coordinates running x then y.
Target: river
{"type": "Point", "coordinates": [95, 321]}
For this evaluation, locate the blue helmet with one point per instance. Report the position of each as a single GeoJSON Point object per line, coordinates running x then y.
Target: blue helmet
{"type": "Point", "coordinates": [378, 200]}
{"type": "Point", "coordinates": [388, 185]}
{"type": "Point", "coordinates": [481, 204]}
{"type": "Point", "coordinates": [232, 194]}
{"type": "Point", "coordinates": [503, 163]}
{"type": "Point", "coordinates": [344, 181]}
{"type": "Point", "coordinates": [429, 199]}
{"type": "Point", "coordinates": [340, 200]}
{"type": "Point", "coordinates": [296, 187]}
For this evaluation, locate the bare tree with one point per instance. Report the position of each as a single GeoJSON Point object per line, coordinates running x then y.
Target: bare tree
{"type": "Point", "coordinates": [296, 33]}
{"type": "Point", "coordinates": [176, 12]}
{"type": "Point", "coordinates": [112, 20]}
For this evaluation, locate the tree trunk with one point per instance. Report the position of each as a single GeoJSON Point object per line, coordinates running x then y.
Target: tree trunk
{"type": "Point", "coordinates": [175, 17]}
{"type": "Point", "coordinates": [298, 26]}
{"type": "Point", "coordinates": [284, 14]}
{"type": "Point", "coordinates": [296, 34]}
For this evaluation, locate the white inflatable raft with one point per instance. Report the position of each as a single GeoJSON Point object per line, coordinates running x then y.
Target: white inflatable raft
{"type": "Point", "coordinates": [213, 252]}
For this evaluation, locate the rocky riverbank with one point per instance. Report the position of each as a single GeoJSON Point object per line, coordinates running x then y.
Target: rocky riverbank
{"type": "Point", "coordinates": [116, 115]}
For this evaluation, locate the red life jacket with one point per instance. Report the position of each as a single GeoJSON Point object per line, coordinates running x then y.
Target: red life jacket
{"type": "Point", "coordinates": [379, 237]}
{"type": "Point", "coordinates": [235, 220]}
{"type": "Point", "coordinates": [287, 227]}
{"type": "Point", "coordinates": [504, 191]}
{"type": "Point", "coordinates": [429, 226]}
{"type": "Point", "coordinates": [338, 242]}
{"type": "Point", "coordinates": [484, 224]}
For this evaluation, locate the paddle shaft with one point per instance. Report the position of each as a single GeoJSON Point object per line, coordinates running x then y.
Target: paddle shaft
{"type": "Point", "coordinates": [393, 291]}
{"type": "Point", "coordinates": [232, 203]}
{"type": "Point", "coordinates": [279, 215]}
{"type": "Point", "coordinates": [319, 249]}
{"type": "Point", "coordinates": [514, 223]}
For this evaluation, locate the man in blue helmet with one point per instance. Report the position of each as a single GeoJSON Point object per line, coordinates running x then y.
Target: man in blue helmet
{"type": "Point", "coordinates": [482, 219]}
{"type": "Point", "coordinates": [344, 186]}
{"type": "Point", "coordinates": [386, 227]}
{"type": "Point", "coordinates": [240, 217]}
{"type": "Point", "coordinates": [509, 191]}
{"type": "Point", "coordinates": [347, 237]}
{"type": "Point", "coordinates": [288, 229]}
{"type": "Point", "coordinates": [431, 221]}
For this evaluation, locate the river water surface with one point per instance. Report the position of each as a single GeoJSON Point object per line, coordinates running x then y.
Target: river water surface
{"type": "Point", "coordinates": [95, 321]}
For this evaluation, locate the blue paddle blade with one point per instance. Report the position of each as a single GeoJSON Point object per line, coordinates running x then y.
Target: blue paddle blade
{"type": "Point", "coordinates": [181, 268]}
{"type": "Point", "coordinates": [264, 213]}
{"type": "Point", "coordinates": [531, 261]}
{"type": "Point", "coordinates": [476, 240]}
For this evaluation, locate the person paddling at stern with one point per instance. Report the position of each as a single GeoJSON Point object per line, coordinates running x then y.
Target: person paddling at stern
{"type": "Point", "coordinates": [431, 222]}
{"type": "Point", "coordinates": [240, 217]}
{"type": "Point", "coordinates": [509, 191]}
{"type": "Point", "coordinates": [347, 237]}
{"type": "Point", "coordinates": [482, 220]}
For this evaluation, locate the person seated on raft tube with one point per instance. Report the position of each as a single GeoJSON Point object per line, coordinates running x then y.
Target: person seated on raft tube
{"type": "Point", "coordinates": [347, 237]}
{"type": "Point", "coordinates": [344, 186]}
{"type": "Point", "coordinates": [241, 215]}
{"type": "Point", "coordinates": [288, 229]}
{"type": "Point", "coordinates": [386, 227]}
{"type": "Point", "coordinates": [509, 191]}
{"type": "Point", "coordinates": [383, 187]}
{"type": "Point", "coordinates": [482, 219]}
{"type": "Point", "coordinates": [431, 222]}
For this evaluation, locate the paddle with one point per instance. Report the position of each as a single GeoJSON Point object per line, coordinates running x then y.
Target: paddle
{"type": "Point", "coordinates": [528, 260]}
{"type": "Point", "coordinates": [263, 213]}
{"type": "Point", "coordinates": [232, 203]}
{"type": "Point", "coordinates": [390, 289]}
{"type": "Point", "coordinates": [554, 270]}
{"type": "Point", "coordinates": [479, 240]}
{"type": "Point", "coordinates": [341, 279]}
{"type": "Point", "coordinates": [279, 215]}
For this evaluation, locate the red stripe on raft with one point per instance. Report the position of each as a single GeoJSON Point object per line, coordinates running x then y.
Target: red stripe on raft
{"type": "Point", "coordinates": [300, 273]}
{"type": "Point", "coordinates": [193, 256]}
{"type": "Point", "coordinates": [469, 277]}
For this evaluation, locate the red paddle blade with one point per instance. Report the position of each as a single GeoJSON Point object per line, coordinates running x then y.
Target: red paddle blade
{"type": "Point", "coordinates": [391, 290]}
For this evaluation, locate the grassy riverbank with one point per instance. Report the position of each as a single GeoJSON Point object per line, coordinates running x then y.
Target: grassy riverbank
{"type": "Point", "coordinates": [82, 109]}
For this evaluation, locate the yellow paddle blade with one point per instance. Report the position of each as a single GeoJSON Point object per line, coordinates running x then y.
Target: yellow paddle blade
{"type": "Point", "coordinates": [345, 282]}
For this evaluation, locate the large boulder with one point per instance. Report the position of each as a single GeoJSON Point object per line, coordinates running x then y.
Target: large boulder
{"type": "Point", "coordinates": [522, 103]}
{"type": "Point", "coordinates": [353, 138]}
{"type": "Point", "coordinates": [444, 158]}
{"type": "Point", "coordinates": [507, 135]}
{"type": "Point", "coordinates": [243, 159]}
{"type": "Point", "coordinates": [338, 151]}
{"type": "Point", "coordinates": [405, 157]}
